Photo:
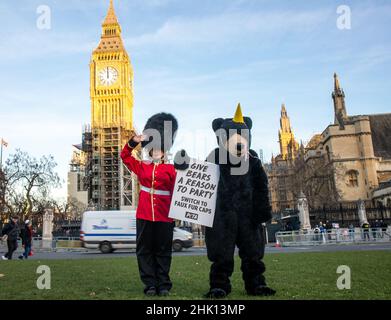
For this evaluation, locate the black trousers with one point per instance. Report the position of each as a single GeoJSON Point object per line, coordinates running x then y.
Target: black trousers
{"type": "Point", "coordinates": [220, 243]}
{"type": "Point", "coordinates": [154, 252]}
{"type": "Point", "coordinates": [12, 246]}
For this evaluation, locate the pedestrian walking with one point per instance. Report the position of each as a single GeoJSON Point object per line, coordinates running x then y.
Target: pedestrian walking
{"type": "Point", "coordinates": [329, 228]}
{"type": "Point", "coordinates": [322, 232]}
{"type": "Point", "coordinates": [27, 238]}
{"type": "Point", "coordinates": [383, 227]}
{"type": "Point", "coordinates": [351, 232]}
{"type": "Point", "coordinates": [375, 229]}
{"type": "Point", "coordinates": [317, 233]}
{"type": "Point", "coordinates": [10, 233]}
{"type": "Point", "coordinates": [365, 229]}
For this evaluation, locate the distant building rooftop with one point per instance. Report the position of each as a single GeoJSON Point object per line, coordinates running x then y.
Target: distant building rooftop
{"type": "Point", "coordinates": [78, 146]}
{"type": "Point", "coordinates": [314, 142]}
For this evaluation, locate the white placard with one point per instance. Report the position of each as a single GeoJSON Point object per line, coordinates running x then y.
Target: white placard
{"type": "Point", "coordinates": [195, 193]}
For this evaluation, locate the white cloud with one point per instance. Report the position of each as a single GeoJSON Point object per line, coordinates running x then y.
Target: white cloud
{"type": "Point", "coordinates": [225, 27]}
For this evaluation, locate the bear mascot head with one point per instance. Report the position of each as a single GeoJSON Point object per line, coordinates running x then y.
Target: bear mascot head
{"type": "Point", "coordinates": [234, 139]}
{"type": "Point", "coordinates": [240, 166]}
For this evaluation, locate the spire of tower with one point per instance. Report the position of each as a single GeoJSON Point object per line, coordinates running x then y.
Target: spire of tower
{"type": "Point", "coordinates": [111, 17]}
{"type": "Point", "coordinates": [283, 110]}
{"type": "Point", "coordinates": [288, 144]}
{"type": "Point", "coordinates": [111, 33]}
{"type": "Point", "coordinates": [336, 82]}
{"type": "Point", "coordinates": [302, 148]}
{"type": "Point", "coordinates": [285, 124]}
{"type": "Point", "coordinates": [340, 114]}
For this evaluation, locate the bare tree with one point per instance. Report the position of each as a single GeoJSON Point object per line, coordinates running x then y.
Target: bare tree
{"type": "Point", "coordinates": [71, 208]}
{"type": "Point", "coordinates": [28, 182]}
{"type": "Point", "coordinates": [316, 177]}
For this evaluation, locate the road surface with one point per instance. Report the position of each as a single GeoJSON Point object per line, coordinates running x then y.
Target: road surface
{"type": "Point", "coordinates": [94, 254]}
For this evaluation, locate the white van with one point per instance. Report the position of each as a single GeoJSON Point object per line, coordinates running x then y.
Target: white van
{"type": "Point", "coordinates": [111, 230]}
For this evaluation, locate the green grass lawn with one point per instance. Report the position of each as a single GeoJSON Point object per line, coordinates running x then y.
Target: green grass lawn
{"type": "Point", "coordinates": [294, 276]}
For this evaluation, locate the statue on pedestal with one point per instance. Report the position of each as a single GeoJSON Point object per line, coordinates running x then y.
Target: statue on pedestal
{"type": "Point", "coordinates": [362, 214]}
{"type": "Point", "coordinates": [47, 235]}
{"type": "Point", "coordinates": [304, 214]}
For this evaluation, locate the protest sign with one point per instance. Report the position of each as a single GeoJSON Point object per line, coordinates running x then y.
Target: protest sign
{"type": "Point", "coordinates": [195, 192]}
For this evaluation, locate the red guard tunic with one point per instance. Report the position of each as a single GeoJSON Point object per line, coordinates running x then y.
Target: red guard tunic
{"type": "Point", "coordinates": [157, 184]}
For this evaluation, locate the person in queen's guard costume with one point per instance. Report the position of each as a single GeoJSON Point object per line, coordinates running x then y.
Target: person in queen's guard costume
{"type": "Point", "coordinates": [157, 180]}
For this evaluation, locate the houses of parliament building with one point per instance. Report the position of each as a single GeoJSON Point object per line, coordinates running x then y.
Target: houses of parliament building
{"type": "Point", "coordinates": [349, 161]}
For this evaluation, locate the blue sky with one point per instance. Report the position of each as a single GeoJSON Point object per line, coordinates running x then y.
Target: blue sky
{"type": "Point", "coordinates": [196, 59]}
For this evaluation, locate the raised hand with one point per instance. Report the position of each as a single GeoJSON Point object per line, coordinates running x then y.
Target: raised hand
{"type": "Point", "coordinates": [138, 138]}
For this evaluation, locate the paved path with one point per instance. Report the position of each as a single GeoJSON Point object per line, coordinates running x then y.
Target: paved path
{"type": "Point", "coordinates": [93, 254]}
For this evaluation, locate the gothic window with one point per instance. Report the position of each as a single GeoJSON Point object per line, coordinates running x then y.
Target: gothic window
{"type": "Point", "coordinates": [328, 153]}
{"type": "Point", "coordinates": [282, 195]}
{"type": "Point", "coordinates": [352, 178]}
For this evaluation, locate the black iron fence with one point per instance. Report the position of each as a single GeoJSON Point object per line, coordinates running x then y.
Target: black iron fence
{"type": "Point", "coordinates": [66, 228]}
{"type": "Point", "coordinates": [346, 215]}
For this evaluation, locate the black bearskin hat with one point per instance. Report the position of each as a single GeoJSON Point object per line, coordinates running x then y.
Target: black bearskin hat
{"type": "Point", "coordinates": [160, 130]}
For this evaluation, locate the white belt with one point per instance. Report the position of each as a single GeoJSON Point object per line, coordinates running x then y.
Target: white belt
{"type": "Point", "coordinates": [154, 191]}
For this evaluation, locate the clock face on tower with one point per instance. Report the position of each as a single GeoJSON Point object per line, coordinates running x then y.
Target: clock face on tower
{"type": "Point", "coordinates": [108, 76]}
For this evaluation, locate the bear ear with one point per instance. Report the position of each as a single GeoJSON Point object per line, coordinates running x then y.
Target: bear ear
{"type": "Point", "coordinates": [248, 122]}
{"type": "Point", "coordinates": [216, 124]}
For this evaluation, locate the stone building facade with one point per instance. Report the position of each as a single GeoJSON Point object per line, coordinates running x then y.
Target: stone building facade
{"type": "Point", "coordinates": [77, 188]}
{"type": "Point", "coordinates": [358, 149]}
{"type": "Point", "coordinates": [349, 161]}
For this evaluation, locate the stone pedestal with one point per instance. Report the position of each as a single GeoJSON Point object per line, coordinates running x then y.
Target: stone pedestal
{"type": "Point", "coordinates": [47, 235]}
{"type": "Point", "coordinates": [362, 214]}
{"type": "Point", "coordinates": [304, 213]}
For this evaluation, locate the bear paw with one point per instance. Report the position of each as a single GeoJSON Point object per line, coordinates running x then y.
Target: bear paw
{"type": "Point", "coordinates": [181, 160]}
{"type": "Point", "coordinates": [263, 291]}
{"type": "Point", "coordinates": [216, 293]}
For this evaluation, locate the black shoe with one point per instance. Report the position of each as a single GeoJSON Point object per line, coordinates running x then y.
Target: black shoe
{"type": "Point", "coordinates": [262, 291]}
{"type": "Point", "coordinates": [164, 293]}
{"type": "Point", "coordinates": [20, 257]}
{"type": "Point", "coordinates": [150, 292]}
{"type": "Point", "coordinates": [216, 293]}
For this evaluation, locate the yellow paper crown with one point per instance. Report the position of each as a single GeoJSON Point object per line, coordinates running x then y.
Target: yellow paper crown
{"type": "Point", "coordinates": [238, 115]}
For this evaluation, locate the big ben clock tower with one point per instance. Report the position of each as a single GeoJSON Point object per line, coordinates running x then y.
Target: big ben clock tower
{"type": "Point", "coordinates": [111, 91]}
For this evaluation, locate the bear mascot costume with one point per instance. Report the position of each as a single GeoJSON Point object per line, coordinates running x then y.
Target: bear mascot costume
{"type": "Point", "coordinates": [242, 206]}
